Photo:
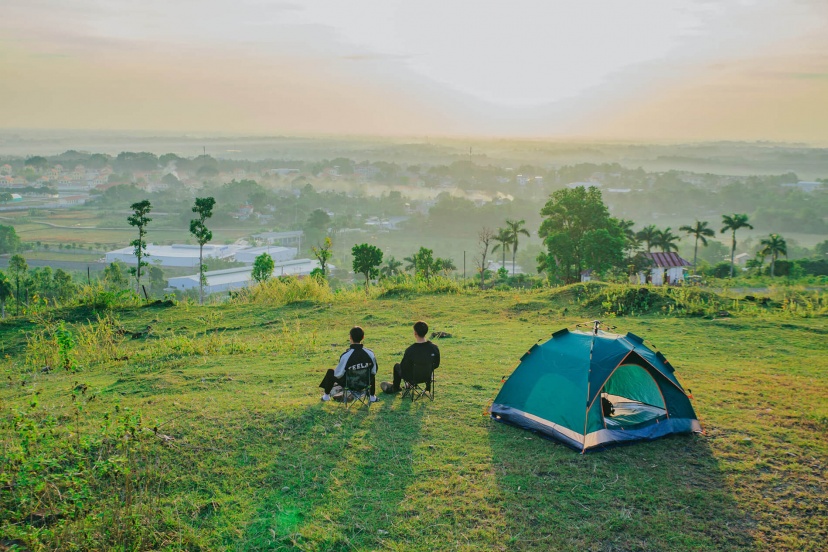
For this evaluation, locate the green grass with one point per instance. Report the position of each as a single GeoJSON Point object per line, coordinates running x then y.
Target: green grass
{"type": "Point", "coordinates": [234, 450]}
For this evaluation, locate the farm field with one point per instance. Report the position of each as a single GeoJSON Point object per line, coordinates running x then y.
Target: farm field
{"type": "Point", "coordinates": [101, 229]}
{"type": "Point", "coordinates": [215, 411]}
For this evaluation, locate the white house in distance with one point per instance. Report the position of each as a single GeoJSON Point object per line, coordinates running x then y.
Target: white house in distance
{"type": "Point", "coordinates": [277, 253]}
{"type": "Point", "coordinates": [241, 277]}
{"type": "Point", "coordinates": [285, 239]}
{"type": "Point", "coordinates": [494, 266]}
{"type": "Point", "coordinates": [176, 255]}
{"type": "Point", "coordinates": [668, 268]}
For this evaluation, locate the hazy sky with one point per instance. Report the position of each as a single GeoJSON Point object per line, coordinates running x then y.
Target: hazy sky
{"type": "Point", "coordinates": [621, 69]}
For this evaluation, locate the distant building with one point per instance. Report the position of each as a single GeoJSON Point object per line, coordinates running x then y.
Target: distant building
{"type": "Point", "coordinates": [277, 253]}
{"type": "Point", "coordinates": [281, 172]}
{"type": "Point", "coordinates": [494, 266]}
{"type": "Point", "coordinates": [236, 278]}
{"type": "Point", "coordinates": [391, 223]}
{"type": "Point", "coordinates": [668, 268]}
{"type": "Point", "coordinates": [286, 239]}
{"type": "Point", "coordinates": [177, 255]}
{"type": "Point", "coordinates": [806, 187]}
{"type": "Point", "coordinates": [73, 200]}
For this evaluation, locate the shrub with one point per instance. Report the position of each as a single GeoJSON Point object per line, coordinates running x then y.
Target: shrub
{"type": "Point", "coordinates": [721, 270]}
{"type": "Point", "coordinates": [286, 290]}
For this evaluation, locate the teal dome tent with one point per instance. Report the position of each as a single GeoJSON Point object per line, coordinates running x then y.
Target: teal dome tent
{"type": "Point", "coordinates": [593, 389]}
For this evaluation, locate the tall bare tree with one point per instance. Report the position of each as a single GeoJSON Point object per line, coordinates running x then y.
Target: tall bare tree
{"type": "Point", "coordinates": [484, 237]}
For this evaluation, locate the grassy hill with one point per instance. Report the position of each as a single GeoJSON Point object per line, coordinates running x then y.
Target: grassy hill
{"type": "Point", "coordinates": [200, 428]}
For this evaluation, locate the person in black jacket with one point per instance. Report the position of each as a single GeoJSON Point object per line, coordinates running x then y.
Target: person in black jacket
{"type": "Point", "coordinates": [357, 356]}
{"type": "Point", "coordinates": [422, 351]}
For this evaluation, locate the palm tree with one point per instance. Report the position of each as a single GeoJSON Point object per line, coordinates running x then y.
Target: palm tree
{"type": "Point", "coordinates": [411, 264]}
{"type": "Point", "coordinates": [626, 227]}
{"type": "Point", "coordinates": [734, 222]}
{"type": "Point", "coordinates": [774, 245]}
{"type": "Point", "coordinates": [648, 234]}
{"type": "Point", "coordinates": [666, 240]}
{"type": "Point", "coordinates": [701, 232]}
{"type": "Point", "coordinates": [391, 268]}
{"type": "Point", "coordinates": [444, 265]}
{"type": "Point", "coordinates": [503, 239]}
{"type": "Point", "coordinates": [515, 228]}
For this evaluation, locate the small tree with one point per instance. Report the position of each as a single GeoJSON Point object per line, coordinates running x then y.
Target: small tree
{"type": "Point", "coordinates": [204, 209]}
{"type": "Point", "coordinates": [9, 240]}
{"type": "Point", "coordinates": [444, 265]}
{"type": "Point", "coordinates": [18, 268]}
{"type": "Point", "coordinates": [113, 276]}
{"type": "Point", "coordinates": [323, 254]}
{"type": "Point", "coordinates": [424, 261]}
{"type": "Point", "coordinates": [5, 292]}
{"type": "Point", "coordinates": [156, 278]}
{"type": "Point", "coordinates": [262, 268]}
{"type": "Point", "coordinates": [139, 219]}
{"type": "Point", "coordinates": [391, 268]}
{"type": "Point", "coordinates": [367, 259]}
{"type": "Point", "coordinates": [411, 264]}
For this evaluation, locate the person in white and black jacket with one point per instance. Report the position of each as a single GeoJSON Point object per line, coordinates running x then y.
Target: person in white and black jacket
{"type": "Point", "coordinates": [357, 356]}
{"type": "Point", "coordinates": [422, 351]}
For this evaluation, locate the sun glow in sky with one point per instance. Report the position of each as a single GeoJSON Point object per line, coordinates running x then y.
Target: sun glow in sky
{"type": "Point", "coordinates": [633, 69]}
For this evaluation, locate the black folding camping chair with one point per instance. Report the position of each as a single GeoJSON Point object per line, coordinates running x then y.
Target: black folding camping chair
{"type": "Point", "coordinates": [357, 387]}
{"type": "Point", "coordinates": [419, 382]}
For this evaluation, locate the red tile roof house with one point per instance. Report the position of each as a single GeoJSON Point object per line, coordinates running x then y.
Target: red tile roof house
{"type": "Point", "coordinates": [668, 268]}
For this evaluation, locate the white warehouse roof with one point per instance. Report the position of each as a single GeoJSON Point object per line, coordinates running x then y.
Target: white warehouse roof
{"type": "Point", "coordinates": [234, 278]}
{"type": "Point", "coordinates": [181, 255]}
{"type": "Point", "coordinates": [276, 252]}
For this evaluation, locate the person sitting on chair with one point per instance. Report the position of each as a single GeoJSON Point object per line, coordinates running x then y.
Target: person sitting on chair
{"type": "Point", "coordinates": [422, 351]}
{"type": "Point", "coordinates": [357, 356]}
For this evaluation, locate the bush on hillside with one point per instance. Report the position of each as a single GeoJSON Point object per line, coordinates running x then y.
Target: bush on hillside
{"type": "Point", "coordinates": [285, 290]}
{"type": "Point", "coordinates": [721, 270]}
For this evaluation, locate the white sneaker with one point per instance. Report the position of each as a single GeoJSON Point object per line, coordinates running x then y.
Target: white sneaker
{"type": "Point", "coordinates": [373, 398]}
{"type": "Point", "coordinates": [326, 397]}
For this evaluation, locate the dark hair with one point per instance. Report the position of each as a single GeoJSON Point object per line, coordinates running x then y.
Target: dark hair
{"type": "Point", "coordinates": [421, 328]}
{"type": "Point", "coordinates": [357, 335]}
